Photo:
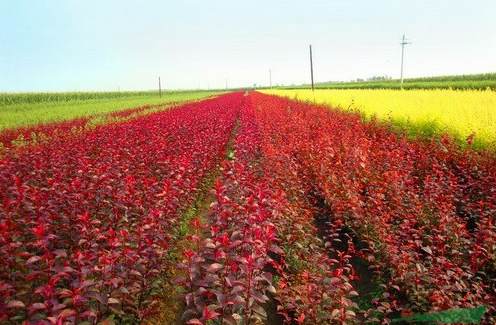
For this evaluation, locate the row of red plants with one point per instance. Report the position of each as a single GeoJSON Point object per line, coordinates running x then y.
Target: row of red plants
{"type": "Point", "coordinates": [318, 285]}
{"type": "Point", "coordinates": [10, 137]}
{"type": "Point", "coordinates": [225, 269]}
{"type": "Point", "coordinates": [254, 240]}
{"type": "Point", "coordinates": [275, 152]}
{"type": "Point", "coordinates": [13, 137]}
{"type": "Point", "coordinates": [423, 210]}
{"type": "Point", "coordinates": [86, 223]}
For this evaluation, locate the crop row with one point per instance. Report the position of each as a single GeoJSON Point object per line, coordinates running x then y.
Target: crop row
{"type": "Point", "coordinates": [17, 137]}
{"type": "Point", "coordinates": [460, 82]}
{"type": "Point", "coordinates": [28, 114]}
{"type": "Point", "coordinates": [86, 222]}
{"type": "Point", "coordinates": [317, 218]}
{"type": "Point", "coordinates": [259, 235]}
{"type": "Point", "coordinates": [422, 213]}
{"type": "Point", "coordinates": [18, 98]}
{"type": "Point", "coordinates": [321, 218]}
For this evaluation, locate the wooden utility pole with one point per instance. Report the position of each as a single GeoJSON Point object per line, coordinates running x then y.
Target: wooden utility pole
{"type": "Point", "coordinates": [159, 88]}
{"type": "Point", "coordinates": [270, 78]}
{"type": "Point", "coordinates": [311, 66]}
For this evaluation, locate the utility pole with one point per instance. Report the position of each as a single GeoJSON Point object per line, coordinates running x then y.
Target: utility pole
{"type": "Point", "coordinates": [159, 88]}
{"type": "Point", "coordinates": [404, 42]}
{"type": "Point", "coordinates": [226, 85]}
{"type": "Point", "coordinates": [270, 78]}
{"type": "Point", "coordinates": [311, 66]}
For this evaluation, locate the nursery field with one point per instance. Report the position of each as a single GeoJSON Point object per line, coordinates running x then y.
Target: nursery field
{"type": "Point", "coordinates": [34, 120]}
{"type": "Point", "coordinates": [245, 208]}
{"type": "Point", "coordinates": [462, 114]}
{"type": "Point", "coordinates": [26, 109]}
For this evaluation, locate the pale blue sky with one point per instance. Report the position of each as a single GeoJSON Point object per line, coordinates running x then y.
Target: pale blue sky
{"type": "Point", "coordinates": [102, 45]}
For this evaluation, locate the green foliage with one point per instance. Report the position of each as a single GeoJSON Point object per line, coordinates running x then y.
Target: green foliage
{"type": "Point", "coordinates": [18, 110]}
{"type": "Point", "coordinates": [476, 81]}
{"type": "Point", "coordinates": [451, 316]}
{"type": "Point", "coordinates": [33, 98]}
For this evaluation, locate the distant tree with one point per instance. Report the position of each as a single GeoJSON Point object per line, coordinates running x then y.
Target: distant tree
{"type": "Point", "coordinates": [379, 78]}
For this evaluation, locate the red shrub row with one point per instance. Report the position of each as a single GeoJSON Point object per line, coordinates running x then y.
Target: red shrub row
{"type": "Point", "coordinates": [425, 210]}
{"type": "Point", "coordinates": [316, 286]}
{"type": "Point", "coordinates": [10, 137]}
{"type": "Point", "coordinates": [226, 276]}
{"type": "Point", "coordinates": [252, 229]}
{"type": "Point", "coordinates": [86, 222]}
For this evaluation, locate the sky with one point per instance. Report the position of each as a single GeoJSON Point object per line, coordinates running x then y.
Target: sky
{"type": "Point", "coordinates": [75, 45]}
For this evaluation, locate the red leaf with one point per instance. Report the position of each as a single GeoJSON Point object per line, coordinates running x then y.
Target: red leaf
{"type": "Point", "coordinates": [209, 314]}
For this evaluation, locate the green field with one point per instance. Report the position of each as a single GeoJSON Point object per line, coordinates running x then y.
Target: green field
{"type": "Point", "coordinates": [18, 110]}
{"type": "Point", "coordinates": [474, 81]}
{"type": "Point", "coordinates": [44, 97]}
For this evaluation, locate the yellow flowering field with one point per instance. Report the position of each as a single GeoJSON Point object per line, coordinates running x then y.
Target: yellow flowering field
{"type": "Point", "coordinates": [458, 112]}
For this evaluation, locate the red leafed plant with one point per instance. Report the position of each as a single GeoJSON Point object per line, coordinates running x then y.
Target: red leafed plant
{"type": "Point", "coordinates": [226, 273]}
{"type": "Point", "coordinates": [306, 195]}
{"type": "Point", "coordinates": [86, 222]}
{"type": "Point", "coordinates": [421, 208]}
{"type": "Point", "coordinates": [238, 265]}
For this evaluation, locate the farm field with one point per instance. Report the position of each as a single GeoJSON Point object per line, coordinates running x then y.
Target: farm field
{"type": "Point", "coordinates": [249, 208]}
{"type": "Point", "coordinates": [56, 118]}
{"type": "Point", "coordinates": [20, 110]}
{"type": "Point", "coordinates": [461, 82]}
{"type": "Point", "coordinates": [462, 114]}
